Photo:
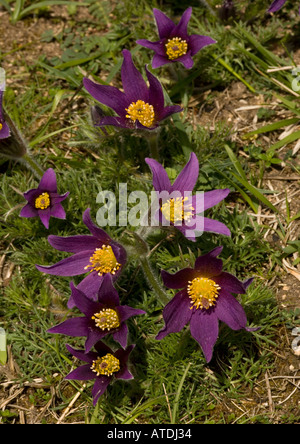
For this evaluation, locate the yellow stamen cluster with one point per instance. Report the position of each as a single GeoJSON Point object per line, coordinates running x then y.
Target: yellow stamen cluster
{"type": "Point", "coordinates": [1, 126]}
{"type": "Point", "coordinates": [203, 292]}
{"type": "Point", "coordinates": [175, 210]}
{"type": "Point", "coordinates": [176, 47]}
{"type": "Point", "coordinates": [106, 319]}
{"type": "Point", "coordinates": [42, 202]}
{"type": "Point", "coordinates": [141, 111]}
{"type": "Point", "coordinates": [107, 365]}
{"type": "Point", "coordinates": [104, 261]}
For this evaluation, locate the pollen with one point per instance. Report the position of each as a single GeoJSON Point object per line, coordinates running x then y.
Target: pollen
{"type": "Point", "coordinates": [176, 47]}
{"type": "Point", "coordinates": [203, 292]}
{"type": "Point", "coordinates": [104, 261]}
{"type": "Point", "coordinates": [107, 365]}
{"type": "Point", "coordinates": [175, 210]}
{"type": "Point", "coordinates": [1, 126]}
{"type": "Point", "coordinates": [42, 202]}
{"type": "Point", "coordinates": [141, 111]}
{"type": "Point", "coordinates": [106, 319]}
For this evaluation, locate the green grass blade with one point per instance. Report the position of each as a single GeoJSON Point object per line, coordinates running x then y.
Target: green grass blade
{"type": "Point", "coordinates": [46, 3]}
{"type": "Point", "coordinates": [272, 127]}
{"type": "Point", "coordinates": [17, 10]}
{"type": "Point", "coordinates": [237, 165]}
{"type": "Point", "coordinates": [175, 408]}
{"type": "Point", "coordinates": [285, 141]}
{"type": "Point", "coordinates": [5, 5]}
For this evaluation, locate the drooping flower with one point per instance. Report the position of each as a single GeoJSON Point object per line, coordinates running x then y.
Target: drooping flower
{"type": "Point", "coordinates": [104, 365]}
{"type": "Point", "coordinates": [179, 208]}
{"type": "Point", "coordinates": [205, 299]}
{"type": "Point", "coordinates": [44, 201]}
{"type": "Point", "coordinates": [139, 106]}
{"type": "Point", "coordinates": [102, 316]}
{"type": "Point", "coordinates": [97, 254]}
{"type": "Point", "coordinates": [4, 128]}
{"type": "Point", "coordinates": [276, 5]}
{"type": "Point", "coordinates": [175, 44]}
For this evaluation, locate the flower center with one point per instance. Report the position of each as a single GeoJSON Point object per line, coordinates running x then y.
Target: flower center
{"type": "Point", "coordinates": [1, 126]}
{"type": "Point", "coordinates": [106, 319]}
{"type": "Point", "coordinates": [176, 47]}
{"type": "Point", "coordinates": [42, 202]}
{"type": "Point", "coordinates": [203, 292]}
{"type": "Point", "coordinates": [103, 260]}
{"type": "Point", "coordinates": [141, 111]}
{"type": "Point", "coordinates": [107, 365]}
{"type": "Point", "coordinates": [174, 210]}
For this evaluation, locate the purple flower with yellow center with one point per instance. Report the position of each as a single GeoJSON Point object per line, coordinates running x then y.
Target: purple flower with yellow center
{"type": "Point", "coordinates": [178, 207]}
{"type": "Point", "coordinates": [44, 201]}
{"type": "Point", "coordinates": [103, 365]}
{"type": "Point", "coordinates": [205, 299]}
{"type": "Point", "coordinates": [276, 5]}
{"type": "Point", "coordinates": [139, 106]}
{"type": "Point", "coordinates": [97, 254]}
{"type": "Point", "coordinates": [175, 44]}
{"type": "Point", "coordinates": [4, 129]}
{"type": "Point", "coordinates": [101, 317]}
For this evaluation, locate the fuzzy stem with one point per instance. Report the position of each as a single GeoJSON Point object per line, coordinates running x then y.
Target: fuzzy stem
{"type": "Point", "coordinates": [206, 5]}
{"type": "Point", "coordinates": [32, 165]}
{"type": "Point", "coordinates": [153, 280]}
{"type": "Point", "coordinates": [153, 145]}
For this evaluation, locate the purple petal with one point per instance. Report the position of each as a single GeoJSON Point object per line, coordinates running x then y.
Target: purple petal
{"type": "Point", "coordinates": [82, 373]}
{"type": "Point", "coordinates": [120, 122]}
{"type": "Point", "coordinates": [205, 330]}
{"type": "Point", "coordinates": [100, 234]}
{"type": "Point", "coordinates": [58, 211]}
{"type": "Point", "coordinates": [93, 336]}
{"type": "Point", "coordinates": [71, 266]}
{"type": "Point", "coordinates": [99, 387]}
{"type": "Point", "coordinates": [276, 5]}
{"type": "Point", "coordinates": [90, 286]}
{"type": "Point", "coordinates": [74, 244]}
{"type": "Point", "coordinates": [158, 47]}
{"type": "Point", "coordinates": [57, 198]}
{"type": "Point", "coordinates": [179, 279]}
{"type": "Point", "coordinates": [159, 60]}
{"type": "Point", "coordinates": [230, 311]}
{"type": "Point", "coordinates": [180, 30]}
{"type": "Point", "coordinates": [108, 295]}
{"type": "Point", "coordinates": [209, 199]}
{"type": "Point", "coordinates": [133, 82]}
{"type": "Point", "coordinates": [197, 42]}
{"type": "Point", "coordinates": [84, 304]}
{"type": "Point", "coordinates": [72, 327]}
{"type": "Point", "coordinates": [188, 176]}
{"type": "Point", "coordinates": [31, 195]}
{"type": "Point", "coordinates": [125, 312]}
{"type": "Point", "coordinates": [230, 283]}
{"type": "Point", "coordinates": [215, 226]}
{"type": "Point", "coordinates": [164, 24]}
{"type": "Point", "coordinates": [186, 60]}
{"type": "Point", "coordinates": [156, 95]}
{"type": "Point", "coordinates": [176, 314]}
{"type": "Point", "coordinates": [45, 216]}
{"type": "Point", "coordinates": [48, 181]}
{"type": "Point", "coordinates": [161, 180]}
{"type": "Point", "coordinates": [4, 132]}
{"type": "Point", "coordinates": [247, 282]}
{"type": "Point", "coordinates": [81, 355]}
{"type": "Point", "coordinates": [28, 211]}
{"type": "Point", "coordinates": [107, 95]}
{"type": "Point", "coordinates": [121, 335]}
{"type": "Point", "coordinates": [169, 110]}
{"type": "Point", "coordinates": [208, 265]}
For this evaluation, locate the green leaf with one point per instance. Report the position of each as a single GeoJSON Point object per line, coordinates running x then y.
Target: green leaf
{"type": "Point", "coordinates": [46, 3]}
{"type": "Point", "coordinates": [272, 127]}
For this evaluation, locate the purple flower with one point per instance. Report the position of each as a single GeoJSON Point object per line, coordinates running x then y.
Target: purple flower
{"type": "Point", "coordinates": [104, 365]}
{"type": "Point", "coordinates": [205, 299]}
{"type": "Point", "coordinates": [101, 317]}
{"type": "Point", "coordinates": [44, 201]}
{"type": "Point", "coordinates": [98, 254]}
{"type": "Point", "coordinates": [138, 106]}
{"type": "Point", "coordinates": [276, 5]}
{"type": "Point", "coordinates": [4, 129]}
{"type": "Point", "coordinates": [175, 44]}
{"type": "Point", "coordinates": [179, 208]}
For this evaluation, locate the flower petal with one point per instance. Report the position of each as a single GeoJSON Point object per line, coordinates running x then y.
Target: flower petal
{"type": "Point", "coordinates": [48, 181]}
{"type": "Point", "coordinates": [197, 42]}
{"type": "Point", "coordinates": [156, 95]}
{"type": "Point", "coordinates": [74, 244]}
{"type": "Point", "coordinates": [121, 334]}
{"type": "Point", "coordinates": [276, 5]}
{"type": "Point", "coordinates": [188, 176]}
{"type": "Point", "coordinates": [179, 279]}
{"type": "Point", "coordinates": [58, 211]}
{"type": "Point", "coordinates": [71, 266]}
{"type": "Point", "coordinates": [159, 60]}
{"type": "Point", "coordinates": [72, 327]}
{"type": "Point", "coordinates": [133, 82]}
{"type": "Point", "coordinates": [107, 294]}
{"type": "Point", "coordinates": [107, 95]}
{"type": "Point", "coordinates": [28, 211]}
{"type": "Point", "coordinates": [208, 199]}
{"type": "Point", "coordinates": [45, 216]}
{"type": "Point", "coordinates": [164, 24]}
{"type": "Point", "coordinates": [205, 330]}
{"type": "Point", "coordinates": [82, 373]}
{"type": "Point", "coordinates": [169, 110]}
{"type": "Point", "coordinates": [161, 181]}
{"type": "Point", "coordinates": [230, 311]}
{"type": "Point", "coordinates": [99, 387]}
{"type": "Point", "coordinates": [125, 312]}
{"type": "Point", "coordinates": [176, 314]}
{"type": "Point", "coordinates": [215, 226]}
{"type": "Point", "coordinates": [158, 47]}
{"type": "Point", "coordinates": [186, 60]}
{"type": "Point", "coordinates": [96, 231]}
{"type": "Point", "coordinates": [208, 265]}
{"type": "Point", "coordinates": [87, 306]}
{"type": "Point", "coordinates": [5, 131]}
{"type": "Point", "coordinates": [230, 283]}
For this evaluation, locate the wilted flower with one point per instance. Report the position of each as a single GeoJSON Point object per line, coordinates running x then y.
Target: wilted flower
{"type": "Point", "coordinates": [139, 106]}
{"type": "Point", "coordinates": [179, 207]}
{"type": "Point", "coordinates": [44, 201]}
{"type": "Point", "coordinates": [175, 44]}
{"type": "Point", "coordinates": [102, 316]}
{"type": "Point", "coordinates": [276, 5]}
{"type": "Point", "coordinates": [205, 299]}
{"type": "Point", "coordinates": [104, 365]}
{"type": "Point", "coordinates": [97, 254]}
{"type": "Point", "coordinates": [4, 128]}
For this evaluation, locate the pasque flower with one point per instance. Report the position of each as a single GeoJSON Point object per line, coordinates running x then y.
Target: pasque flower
{"type": "Point", "coordinates": [175, 44]}
{"type": "Point", "coordinates": [139, 106]}
{"type": "Point", "coordinates": [205, 299]}
{"type": "Point", "coordinates": [179, 208]}
{"type": "Point", "coordinates": [97, 254]}
{"type": "Point", "coordinates": [44, 201]}
{"type": "Point", "coordinates": [102, 316]}
{"type": "Point", "coordinates": [4, 128]}
{"type": "Point", "coordinates": [103, 365]}
{"type": "Point", "coordinates": [276, 5]}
